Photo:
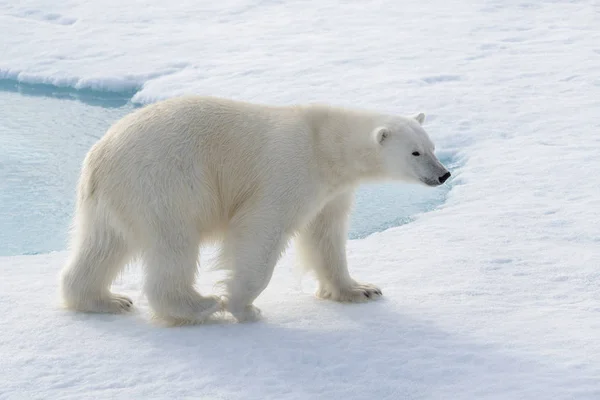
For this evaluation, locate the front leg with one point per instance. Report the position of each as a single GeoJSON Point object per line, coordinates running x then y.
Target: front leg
{"type": "Point", "coordinates": [322, 248]}
{"type": "Point", "coordinates": [251, 249]}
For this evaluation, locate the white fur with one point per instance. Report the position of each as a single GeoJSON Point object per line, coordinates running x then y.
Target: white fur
{"type": "Point", "coordinates": [188, 170]}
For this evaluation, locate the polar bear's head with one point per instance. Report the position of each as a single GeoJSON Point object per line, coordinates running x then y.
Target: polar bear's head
{"type": "Point", "coordinates": [407, 152]}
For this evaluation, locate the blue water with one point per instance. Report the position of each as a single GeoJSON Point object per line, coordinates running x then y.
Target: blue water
{"type": "Point", "coordinates": [45, 133]}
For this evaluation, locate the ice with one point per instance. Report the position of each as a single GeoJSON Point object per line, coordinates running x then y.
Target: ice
{"type": "Point", "coordinates": [40, 160]}
{"type": "Point", "coordinates": [494, 295]}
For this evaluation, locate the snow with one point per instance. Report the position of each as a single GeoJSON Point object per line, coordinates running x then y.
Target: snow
{"type": "Point", "coordinates": [494, 295]}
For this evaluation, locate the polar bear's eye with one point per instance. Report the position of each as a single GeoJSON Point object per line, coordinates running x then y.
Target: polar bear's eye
{"type": "Point", "coordinates": [416, 153]}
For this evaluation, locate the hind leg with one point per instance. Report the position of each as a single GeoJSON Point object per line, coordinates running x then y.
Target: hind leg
{"type": "Point", "coordinates": [171, 262]}
{"type": "Point", "coordinates": [98, 255]}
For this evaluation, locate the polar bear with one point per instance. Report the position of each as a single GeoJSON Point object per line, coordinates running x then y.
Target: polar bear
{"type": "Point", "coordinates": [189, 170]}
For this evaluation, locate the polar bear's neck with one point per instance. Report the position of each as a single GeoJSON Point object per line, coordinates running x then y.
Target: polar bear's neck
{"type": "Point", "coordinates": [344, 149]}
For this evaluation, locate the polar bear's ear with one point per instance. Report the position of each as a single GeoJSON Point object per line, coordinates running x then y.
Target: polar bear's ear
{"type": "Point", "coordinates": [381, 134]}
{"type": "Point", "coordinates": [420, 117]}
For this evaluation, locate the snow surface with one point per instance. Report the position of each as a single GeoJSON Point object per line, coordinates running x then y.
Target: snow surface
{"type": "Point", "coordinates": [495, 295]}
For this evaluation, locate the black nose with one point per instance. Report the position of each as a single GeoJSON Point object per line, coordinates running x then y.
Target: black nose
{"type": "Point", "coordinates": [444, 177]}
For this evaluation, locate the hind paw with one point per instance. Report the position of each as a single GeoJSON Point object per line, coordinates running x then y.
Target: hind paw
{"type": "Point", "coordinates": [186, 310]}
{"type": "Point", "coordinates": [108, 303]}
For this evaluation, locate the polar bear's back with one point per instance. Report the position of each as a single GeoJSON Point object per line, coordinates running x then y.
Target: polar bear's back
{"type": "Point", "coordinates": [198, 155]}
{"type": "Point", "coordinates": [198, 119]}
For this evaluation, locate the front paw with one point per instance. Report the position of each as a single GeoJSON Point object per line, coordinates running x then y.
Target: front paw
{"type": "Point", "coordinates": [354, 293]}
{"type": "Point", "coordinates": [248, 313]}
